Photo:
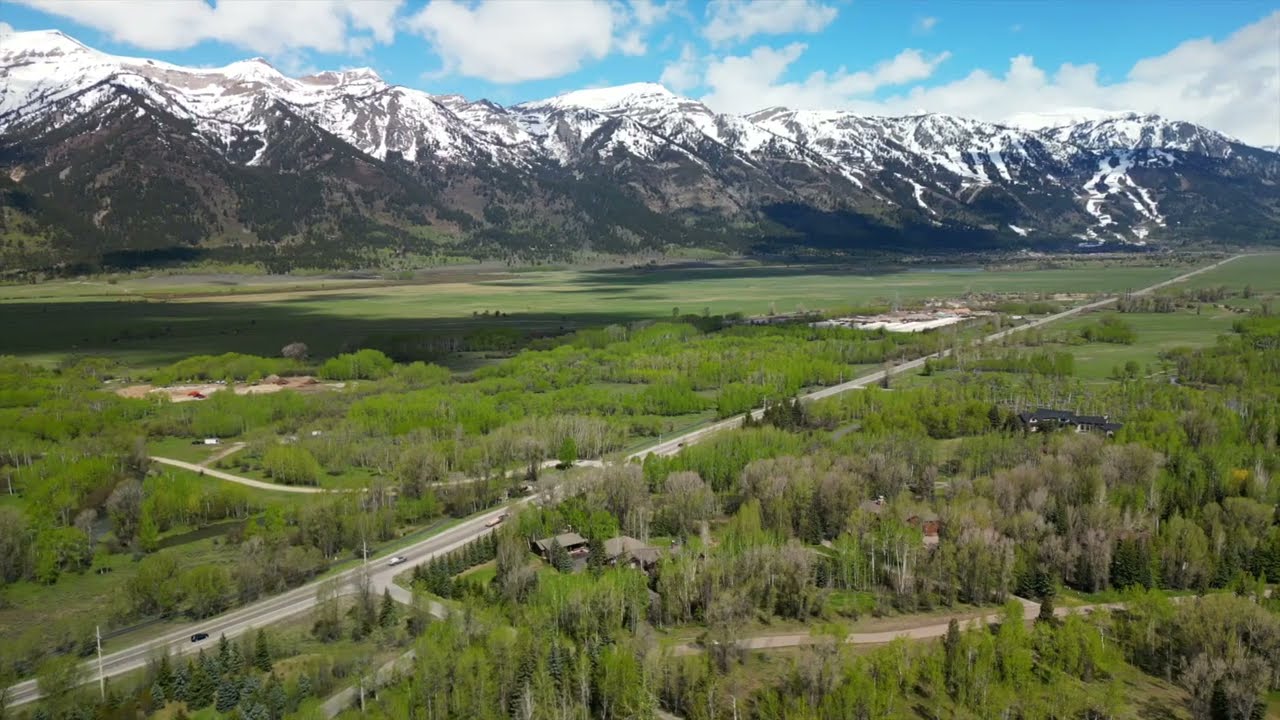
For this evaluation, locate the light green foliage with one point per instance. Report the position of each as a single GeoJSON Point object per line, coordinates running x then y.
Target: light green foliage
{"type": "Point", "coordinates": [207, 588]}
{"type": "Point", "coordinates": [291, 465]}
{"type": "Point", "coordinates": [360, 365]}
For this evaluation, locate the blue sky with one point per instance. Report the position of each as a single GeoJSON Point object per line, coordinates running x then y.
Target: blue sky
{"type": "Point", "coordinates": [1216, 63]}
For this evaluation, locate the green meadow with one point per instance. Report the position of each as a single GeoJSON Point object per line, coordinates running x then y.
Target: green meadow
{"type": "Point", "coordinates": [150, 321]}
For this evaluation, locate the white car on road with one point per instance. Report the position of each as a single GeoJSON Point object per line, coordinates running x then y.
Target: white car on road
{"type": "Point", "coordinates": [396, 560]}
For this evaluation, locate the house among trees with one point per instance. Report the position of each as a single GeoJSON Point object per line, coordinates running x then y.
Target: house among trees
{"type": "Point", "coordinates": [626, 550]}
{"type": "Point", "coordinates": [929, 525]}
{"type": "Point", "coordinates": [571, 542]}
{"type": "Point", "coordinates": [1063, 419]}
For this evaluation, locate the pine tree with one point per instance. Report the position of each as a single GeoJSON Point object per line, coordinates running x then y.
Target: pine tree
{"type": "Point", "coordinates": [559, 557]}
{"type": "Point", "coordinates": [228, 695]}
{"type": "Point", "coordinates": [262, 652]}
{"type": "Point", "coordinates": [1046, 609]}
{"type": "Point", "coordinates": [224, 654]}
{"type": "Point", "coordinates": [276, 698]}
{"type": "Point", "coordinates": [951, 644]}
{"type": "Point", "coordinates": [595, 555]}
{"type": "Point", "coordinates": [304, 686]}
{"type": "Point", "coordinates": [387, 614]}
{"type": "Point", "coordinates": [181, 684]}
{"type": "Point", "coordinates": [157, 695]}
{"type": "Point", "coordinates": [164, 673]}
{"type": "Point", "coordinates": [200, 687]}
{"type": "Point", "coordinates": [235, 662]}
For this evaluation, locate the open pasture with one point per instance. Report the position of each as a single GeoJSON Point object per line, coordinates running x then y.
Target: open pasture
{"type": "Point", "coordinates": [142, 322]}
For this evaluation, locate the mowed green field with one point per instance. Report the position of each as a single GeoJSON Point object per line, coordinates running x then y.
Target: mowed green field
{"type": "Point", "coordinates": [143, 322]}
{"type": "Point", "coordinates": [1156, 333]}
{"type": "Point", "coordinates": [1261, 271]}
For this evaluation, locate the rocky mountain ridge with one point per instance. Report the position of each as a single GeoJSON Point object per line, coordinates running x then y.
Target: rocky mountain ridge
{"type": "Point", "coordinates": [101, 154]}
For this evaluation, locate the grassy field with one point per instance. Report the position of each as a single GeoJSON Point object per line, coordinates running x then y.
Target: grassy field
{"type": "Point", "coordinates": [1260, 271]}
{"type": "Point", "coordinates": [143, 322]}
{"type": "Point", "coordinates": [1156, 333]}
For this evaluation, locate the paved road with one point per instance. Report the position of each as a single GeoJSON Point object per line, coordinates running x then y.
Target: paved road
{"type": "Point", "coordinates": [675, 444]}
{"type": "Point", "coordinates": [303, 598]}
{"type": "Point", "coordinates": [280, 607]}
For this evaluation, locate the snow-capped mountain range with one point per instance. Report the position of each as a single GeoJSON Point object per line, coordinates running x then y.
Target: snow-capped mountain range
{"type": "Point", "coordinates": [85, 135]}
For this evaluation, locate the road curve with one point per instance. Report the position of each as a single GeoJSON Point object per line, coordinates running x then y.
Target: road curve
{"type": "Point", "coordinates": [261, 485]}
{"type": "Point", "coordinates": [303, 598]}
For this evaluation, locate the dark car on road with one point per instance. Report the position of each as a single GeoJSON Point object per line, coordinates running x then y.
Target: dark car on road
{"type": "Point", "coordinates": [199, 636]}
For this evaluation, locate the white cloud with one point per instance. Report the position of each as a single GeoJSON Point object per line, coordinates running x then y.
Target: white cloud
{"type": "Point", "coordinates": [925, 25]}
{"type": "Point", "coordinates": [5, 29]}
{"type": "Point", "coordinates": [1232, 85]}
{"type": "Point", "coordinates": [684, 73]}
{"type": "Point", "coordinates": [738, 20]}
{"type": "Point", "coordinates": [509, 42]}
{"type": "Point", "coordinates": [751, 82]}
{"type": "Point", "coordinates": [269, 27]}
{"type": "Point", "coordinates": [647, 12]}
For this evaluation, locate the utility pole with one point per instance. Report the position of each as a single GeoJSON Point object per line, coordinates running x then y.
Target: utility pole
{"type": "Point", "coordinates": [102, 678]}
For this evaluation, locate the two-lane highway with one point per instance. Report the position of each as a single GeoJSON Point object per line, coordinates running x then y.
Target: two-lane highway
{"type": "Point", "coordinates": [275, 609]}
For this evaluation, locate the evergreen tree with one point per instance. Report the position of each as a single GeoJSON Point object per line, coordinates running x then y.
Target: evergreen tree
{"type": "Point", "coordinates": [224, 654]}
{"type": "Point", "coordinates": [200, 687]}
{"type": "Point", "coordinates": [595, 555]}
{"type": "Point", "coordinates": [951, 644]}
{"type": "Point", "coordinates": [228, 695]}
{"type": "Point", "coordinates": [277, 699]}
{"type": "Point", "coordinates": [304, 686]}
{"type": "Point", "coordinates": [157, 695]}
{"type": "Point", "coordinates": [164, 673]}
{"type": "Point", "coordinates": [387, 614]}
{"type": "Point", "coordinates": [181, 684]}
{"type": "Point", "coordinates": [235, 662]}
{"type": "Point", "coordinates": [559, 557]}
{"type": "Point", "coordinates": [262, 652]}
{"type": "Point", "coordinates": [1046, 609]}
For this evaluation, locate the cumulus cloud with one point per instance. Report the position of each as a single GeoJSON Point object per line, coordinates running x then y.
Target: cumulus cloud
{"type": "Point", "coordinates": [738, 20]}
{"type": "Point", "coordinates": [269, 27]}
{"type": "Point", "coordinates": [754, 81]}
{"type": "Point", "coordinates": [5, 29]}
{"type": "Point", "coordinates": [1232, 85]}
{"type": "Point", "coordinates": [926, 25]}
{"type": "Point", "coordinates": [683, 74]}
{"type": "Point", "coordinates": [510, 42]}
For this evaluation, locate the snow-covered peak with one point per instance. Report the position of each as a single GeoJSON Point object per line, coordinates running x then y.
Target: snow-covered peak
{"type": "Point", "coordinates": [1061, 117]}
{"type": "Point", "coordinates": [611, 99]}
{"type": "Point", "coordinates": [38, 43]}
{"type": "Point", "coordinates": [1134, 131]}
{"type": "Point", "coordinates": [335, 78]}
{"type": "Point", "coordinates": [252, 70]}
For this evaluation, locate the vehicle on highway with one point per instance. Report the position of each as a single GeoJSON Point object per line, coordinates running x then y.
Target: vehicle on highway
{"type": "Point", "coordinates": [493, 522]}
{"type": "Point", "coordinates": [396, 560]}
{"type": "Point", "coordinates": [199, 636]}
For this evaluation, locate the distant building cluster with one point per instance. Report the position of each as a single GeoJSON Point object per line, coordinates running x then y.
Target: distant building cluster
{"type": "Point", "coordinates": [903, 321]}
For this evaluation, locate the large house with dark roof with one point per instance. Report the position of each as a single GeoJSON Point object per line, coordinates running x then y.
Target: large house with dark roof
{"type": "Point", "coordinates": [1064, 419]}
